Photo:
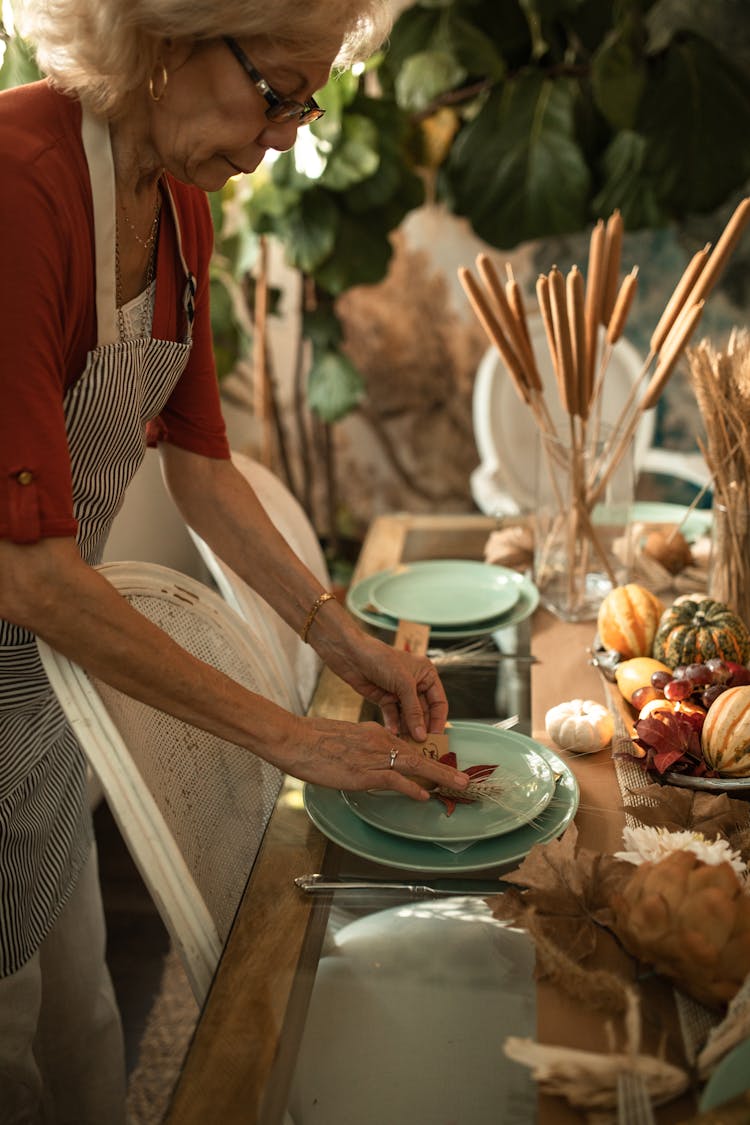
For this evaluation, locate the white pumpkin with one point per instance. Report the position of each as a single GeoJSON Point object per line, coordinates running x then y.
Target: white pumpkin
{"type": "Point", "coordinates": [581, 725]}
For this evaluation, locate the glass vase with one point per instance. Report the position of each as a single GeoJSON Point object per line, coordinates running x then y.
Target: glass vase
{"type": "Point", "coordinates": [729, 567]}
{"type": "Point", "coordinates": [582, 545]}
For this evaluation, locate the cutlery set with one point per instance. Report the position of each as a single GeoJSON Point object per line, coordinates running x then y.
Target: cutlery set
{"type": "Point", "coordinates": [435, 888]}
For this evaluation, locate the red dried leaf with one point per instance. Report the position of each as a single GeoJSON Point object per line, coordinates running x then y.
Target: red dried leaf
{"type": "Point", "coordinates": [480, 773]}
{"type": "Point", "coordinates": [450, 798]}
{"type": "Point", "coordinates": [671, 740]}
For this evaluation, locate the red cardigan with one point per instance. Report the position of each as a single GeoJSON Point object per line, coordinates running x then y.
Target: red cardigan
{"type": "Point", "coordinates": [48, 309]}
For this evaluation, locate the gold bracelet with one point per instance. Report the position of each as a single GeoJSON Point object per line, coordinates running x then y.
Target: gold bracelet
{"type": "Point", "coordinates": [319, 601]}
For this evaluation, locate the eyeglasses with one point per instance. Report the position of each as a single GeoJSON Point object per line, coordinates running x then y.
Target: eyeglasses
{"type": "Point", "coordinates": [279, 109]}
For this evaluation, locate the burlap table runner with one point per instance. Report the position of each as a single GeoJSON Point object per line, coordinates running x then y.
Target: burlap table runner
{"type": "Point", "coordinates": [564, 672]}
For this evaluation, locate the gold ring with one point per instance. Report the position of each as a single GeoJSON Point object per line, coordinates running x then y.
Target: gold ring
{"type": "Point", "coordinates": [392, 757]}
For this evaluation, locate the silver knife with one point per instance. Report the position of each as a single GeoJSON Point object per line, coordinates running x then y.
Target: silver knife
{"type": "Point", "coordinates": [314, 883]}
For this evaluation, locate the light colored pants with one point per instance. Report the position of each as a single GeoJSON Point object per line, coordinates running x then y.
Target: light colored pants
{"type": "Point", "coordinates": [62, 1060]}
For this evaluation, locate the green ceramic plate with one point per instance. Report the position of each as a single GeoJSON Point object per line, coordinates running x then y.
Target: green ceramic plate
{"type": "Point", "coordinates": [359, 601]}
{"type": "Point", "coordinates": [526, 780]}
{"type": "Point", "coordinates": [440, 592]}
{"type": "Point", "coordinates": [730, 1079]}
{"type": "Point", "coordinates": [698, 523]}
{"type": "Point", "coordinates": [331, 814]}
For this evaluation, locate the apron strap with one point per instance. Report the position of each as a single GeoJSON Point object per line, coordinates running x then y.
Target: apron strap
{"type": "Point", "coordinates": [188, 295]}
{"type": "Point", "coordinates": [98, 149]}
{"type": "Point", "coordinates": [96, 144]}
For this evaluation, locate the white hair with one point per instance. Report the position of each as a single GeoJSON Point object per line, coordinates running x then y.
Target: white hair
{"type": "Point", "coordinates": [101, 50]}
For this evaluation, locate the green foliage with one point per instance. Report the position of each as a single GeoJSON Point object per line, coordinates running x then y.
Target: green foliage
{"type": "Point", "coordinates": [17, 66]}
{"type": "Point", "coordinates": [581, 106]}
{"type": "Point", "coordinates": [562, 111]}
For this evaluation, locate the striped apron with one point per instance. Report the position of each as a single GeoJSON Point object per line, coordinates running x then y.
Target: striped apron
{"type": "Point", "coordinates": [45, 821]}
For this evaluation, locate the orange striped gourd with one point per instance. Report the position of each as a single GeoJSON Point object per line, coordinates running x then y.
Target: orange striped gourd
{"type": "Point", "coordinates": [725, 738]}
{"type": "Point", "coordinates": [628, 618]}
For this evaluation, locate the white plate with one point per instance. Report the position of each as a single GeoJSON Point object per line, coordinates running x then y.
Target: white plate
{"type": "Point", "coordinates": [525, 776]}
{"type": "Point", "coordinates": [445, 592]}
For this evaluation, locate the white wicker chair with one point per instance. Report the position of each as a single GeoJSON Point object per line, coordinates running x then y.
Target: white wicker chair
{"type": "Point", "coordinates": [505, 434]}
{"type": "Point", "coordinates": [191, 807]}
{"type": "Point", "coordinates": [296, 665]}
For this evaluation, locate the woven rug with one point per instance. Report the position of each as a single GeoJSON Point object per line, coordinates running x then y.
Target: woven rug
{"type": "Point", "coordinates": [163, 1045]}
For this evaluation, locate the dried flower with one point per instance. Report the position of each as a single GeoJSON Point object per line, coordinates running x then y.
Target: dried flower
{"type": "Point", "coordinates": [650, 845]}
{"type": "Point", "coordinates": [691, 921]}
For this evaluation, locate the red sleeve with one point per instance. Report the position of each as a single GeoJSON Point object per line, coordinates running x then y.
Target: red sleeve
{"type": "Point", "coordinates": [45, 253]}
{"type": "Point", "coordinates": [192, 417]}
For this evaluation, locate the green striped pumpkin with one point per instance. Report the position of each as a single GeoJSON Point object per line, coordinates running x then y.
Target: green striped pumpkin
{"type": "Point", "coordinates": [695, 631]}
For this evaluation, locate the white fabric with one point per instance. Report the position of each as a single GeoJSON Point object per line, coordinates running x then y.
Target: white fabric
{"type": "Point", "coordinates": [295, 664]}
{"type": "Point", "coordinates": [62, 1058]}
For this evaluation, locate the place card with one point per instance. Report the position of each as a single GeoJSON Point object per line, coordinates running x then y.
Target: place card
{"type": "Point", "coordinates": [412, 637]}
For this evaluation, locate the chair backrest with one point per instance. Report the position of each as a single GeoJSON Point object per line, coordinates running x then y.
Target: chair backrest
{"type": "Point", "coordinates": [506, 435]}
{"type": "Point", "coordinates": [191, 807]}
{"type": "Point", "coordinates": [296, 665]}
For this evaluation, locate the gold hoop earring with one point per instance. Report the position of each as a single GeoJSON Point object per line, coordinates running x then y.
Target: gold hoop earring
{"type": "Point", "coordinates": [164, 79]}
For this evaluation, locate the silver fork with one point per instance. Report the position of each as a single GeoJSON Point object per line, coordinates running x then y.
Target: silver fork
{"type": "Point", "coordinates": [633, 1101]}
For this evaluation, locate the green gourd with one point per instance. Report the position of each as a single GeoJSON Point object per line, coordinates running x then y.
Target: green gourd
{"type": "Point", "coordinates": [693, 631]}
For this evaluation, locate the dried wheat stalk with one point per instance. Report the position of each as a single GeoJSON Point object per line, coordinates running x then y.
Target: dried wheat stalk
{"type": "Point", "coordinates": [721, 381]}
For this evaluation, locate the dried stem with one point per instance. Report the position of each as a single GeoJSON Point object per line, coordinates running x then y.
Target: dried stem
{"type": "Point", "coordinates": [572, 310]}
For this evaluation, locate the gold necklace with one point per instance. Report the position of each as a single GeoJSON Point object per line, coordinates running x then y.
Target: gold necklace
{"type": "Point", "coordinates": [150, 271]}
{"type": "Point", "coordinates": [147, 242]}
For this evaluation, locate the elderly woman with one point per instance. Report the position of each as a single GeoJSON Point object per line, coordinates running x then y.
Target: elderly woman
{"type": "Point", "coordinates": [105, 238]}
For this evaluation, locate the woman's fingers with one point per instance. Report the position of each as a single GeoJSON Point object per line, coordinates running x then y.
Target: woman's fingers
{"type": "Point", "coordinates": [406, 763]}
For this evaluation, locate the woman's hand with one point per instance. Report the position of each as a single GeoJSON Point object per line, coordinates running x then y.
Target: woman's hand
{"type": "Point", "coordinates": [359, 755]}
{"type": "Point", "coordinates": [406, 687]}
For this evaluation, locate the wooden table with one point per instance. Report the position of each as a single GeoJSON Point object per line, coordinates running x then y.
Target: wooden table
{"type": "Point", "coordinates": [240, 1061]}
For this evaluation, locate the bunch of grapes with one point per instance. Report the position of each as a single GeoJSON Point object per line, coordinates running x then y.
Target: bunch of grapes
{"type": "Point", "coordinates": [700, 683]}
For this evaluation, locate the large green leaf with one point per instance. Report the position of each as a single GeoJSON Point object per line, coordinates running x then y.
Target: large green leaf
{"type": "Point", "coordinates": [426, 75]}
{"type": "Point", "coordinates": [594, 20]}
{"type": "Point", "coordinates": [517, 171]}
{"type": "Point", "coordinates": [627, 187]}
{"type": "Point", "coordinates": [335, 97]}
{"type": "Point", "coordinates": [334, 385]}
{"type": "Point", "coordinates": [725, 23]}
{"type": "Point", "coordinates": [360, 256]}
{"type": "Point", "coordinates": [271, 202]}
{"type": "Point", "coordinates": [618, 77]}
{"type": "Point", "coordinates": [505, 24]}
{"type": "Point", "coordinates": [413, 29]}
{"type": "Point", "coordinates": [309, 232]}
{"type": "Point", "coordinates": [475, 51]}
{"type": "Point", "coordinates": [18, 66]}
{"type": "Point", "coordinates": [355, 157]}
{"type": "Point", "coordinates": [695, 117]}
{"type": "Point", "coordinates": [379, 188]}
{"type": "Point", "coordinates": [322, 327]}
{"type": "Point", "coordinates": [410, 194]}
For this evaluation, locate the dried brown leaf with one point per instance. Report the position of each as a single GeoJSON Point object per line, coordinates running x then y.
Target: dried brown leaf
{"type": "Point", "coordinates": [689, 810]}
{"type": "Point", "coordinates": [569, 891]}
